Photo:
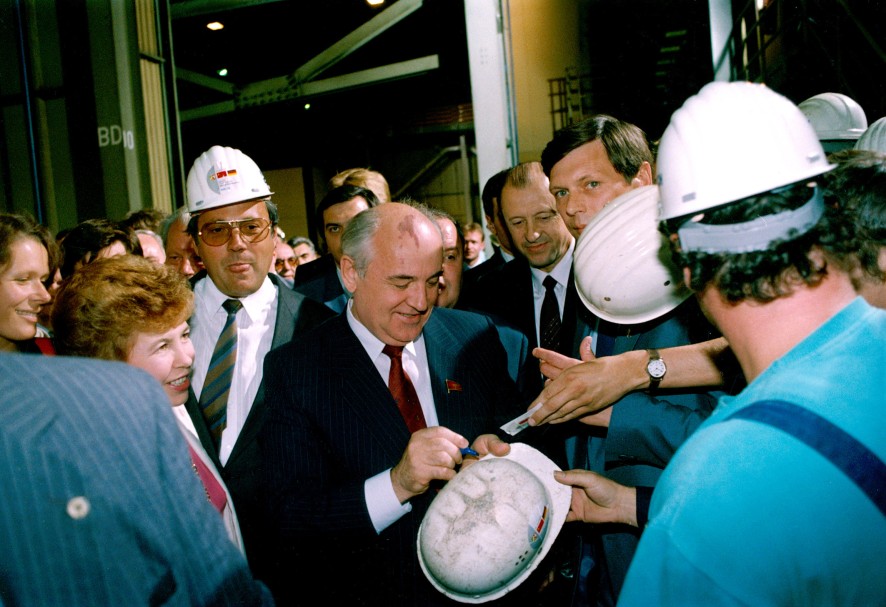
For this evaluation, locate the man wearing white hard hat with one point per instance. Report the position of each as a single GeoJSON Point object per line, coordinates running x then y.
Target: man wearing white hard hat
{"type": "Point", "coordinates": [778, 497]}
{"type": "Point", "coordinates": [241, 312]}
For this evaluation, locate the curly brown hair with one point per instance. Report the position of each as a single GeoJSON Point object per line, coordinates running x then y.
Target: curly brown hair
{"type": "Point", "coordinates": [99, 310]}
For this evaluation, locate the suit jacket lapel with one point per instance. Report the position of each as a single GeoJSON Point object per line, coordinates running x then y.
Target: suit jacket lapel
{"type": "Point", "coordinates": [284, 327]}
{"type": "Point", "coordinates": [440, 343]}
{"type": "Point", "coordinates": [363, 390]}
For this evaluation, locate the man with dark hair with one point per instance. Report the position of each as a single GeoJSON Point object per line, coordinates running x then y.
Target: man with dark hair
{"type": "Point", "coordinates": [321, 279]}
{"type": "Point", "coordinates": [772, 266]}
{"type": "Point", "coordinates": [590, 164]}
{"type": "Point", "coordinates": [504, 249]}
{"type": "Point", "coordinates": [593, 162]}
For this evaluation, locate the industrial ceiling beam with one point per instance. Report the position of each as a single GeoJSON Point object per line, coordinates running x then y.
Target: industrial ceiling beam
{"type": "Point", "coordinates": [216, 84]}
{"type": "Point", "coordinates": [275, 90]}
{"type": "Point", "coordinates": [195, 8]}
{"type": "Point", "coordinates": [357, 38]}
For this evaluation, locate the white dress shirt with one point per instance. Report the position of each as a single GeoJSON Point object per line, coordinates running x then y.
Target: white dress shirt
{"type": "Point", "coordinates": [560, 273]}
{"type": "Point", "coordinates": [381, 501]}
{"type": "Point", "coordinates": [255, 333]}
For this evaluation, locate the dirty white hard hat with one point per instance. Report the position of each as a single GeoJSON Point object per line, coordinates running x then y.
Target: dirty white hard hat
{"type": "Point", "coordinates": [489, 527]}
{"type": "Point", "coordinates": [222, 176]}
{"type": "Point", "coordinates": [622, 264]}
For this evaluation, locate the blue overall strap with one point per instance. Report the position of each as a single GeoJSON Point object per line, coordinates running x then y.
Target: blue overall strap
{"type": "Point", "coordinates": [854, 459]}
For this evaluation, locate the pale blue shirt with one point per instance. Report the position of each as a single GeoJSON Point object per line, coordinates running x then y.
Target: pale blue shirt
{"type": "Point", "coordinates": [381, 501]}
{"type": "Point", "coordinates": [255, 334]}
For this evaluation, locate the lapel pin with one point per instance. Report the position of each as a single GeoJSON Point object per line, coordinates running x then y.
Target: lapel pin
{"type": "Point", "coordinates": [452, 386]}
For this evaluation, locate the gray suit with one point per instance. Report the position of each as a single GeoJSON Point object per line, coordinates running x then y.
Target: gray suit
{"type": "Point", "coordinates": [100, 505]}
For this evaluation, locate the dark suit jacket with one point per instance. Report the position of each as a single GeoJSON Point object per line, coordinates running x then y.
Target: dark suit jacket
{"type": "Point", "coordinates": [472, 276]}
{"type": "Point", "coordinates": [507, 295]}
{"type": "Point", "coordinates": [100, 505]}
{"type": "Point", "coordinates": [645, 430]}
{"type": "Point", "coordinates": [334, 424]}
{"type": "Point", "coordinates": [318, 280]}
{"type": "Point", "coordinates": [296, 314]}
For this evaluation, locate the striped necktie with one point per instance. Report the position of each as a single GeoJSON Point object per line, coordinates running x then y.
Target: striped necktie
{"type": "Point", "coordinates": [214, 397]}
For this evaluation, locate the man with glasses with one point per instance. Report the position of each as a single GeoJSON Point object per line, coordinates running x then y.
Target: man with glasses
{"type": "Point", "coordinates": [240, 313]}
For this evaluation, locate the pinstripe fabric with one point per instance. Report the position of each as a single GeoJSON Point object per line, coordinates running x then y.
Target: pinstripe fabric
{"type": "Point", "coordinates": [334, 424]}
{"type": "Point", "coordinates": [217, 385]}
{"type": "Point", "coordinates": [99, 502]}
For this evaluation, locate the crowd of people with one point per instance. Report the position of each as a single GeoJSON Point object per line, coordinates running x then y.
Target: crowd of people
{"type": "Point", "coordinates": [724, 440]}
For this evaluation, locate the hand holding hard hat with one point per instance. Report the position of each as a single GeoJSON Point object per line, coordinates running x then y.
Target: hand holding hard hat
{"type": "Point", "coordinates": [490, 527]}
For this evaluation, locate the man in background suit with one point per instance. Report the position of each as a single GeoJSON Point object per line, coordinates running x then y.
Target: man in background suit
{"type": "Point", "coordinates": [350, 481]}
{"type": "Point", "coordinates": [503, 246]}
{"type": "Point", "coordinates": [515, 294]}
{"type": "Point", "coordinates": [321, 279]}
{"type": "Point", "coordinates": [100, 503]}
{"type": "Point", "coordinates": [232, 224]}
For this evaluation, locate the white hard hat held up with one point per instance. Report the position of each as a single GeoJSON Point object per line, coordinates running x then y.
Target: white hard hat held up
{"type": "Point", "coordinates": [874, 138]}
{"type": "Point", "coordinates": [222, 176]}
{"type": "Point", "coordinates": [730, 141]}
{"type": "Point", "coordinates": [622, 265]}
{"type": "Point", "coordinates": [491, 526]}
{"type": "Point", "coordinates": [834, 116]}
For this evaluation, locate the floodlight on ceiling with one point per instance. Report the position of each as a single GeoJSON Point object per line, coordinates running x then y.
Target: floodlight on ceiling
{"type": "Point", "coordinates": [215, 25]}
{"type": "Point", "coordinates": [375, 2]}
{"type": "Point", "coordinates": [222, 72]}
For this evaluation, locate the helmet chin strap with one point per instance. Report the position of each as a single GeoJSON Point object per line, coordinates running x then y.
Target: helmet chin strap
{"type": "Point", "coordinates": [755, 235]}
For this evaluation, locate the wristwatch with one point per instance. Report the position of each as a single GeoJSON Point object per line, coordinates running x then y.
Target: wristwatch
{"type": "Point", "coordinates": [656, 369]}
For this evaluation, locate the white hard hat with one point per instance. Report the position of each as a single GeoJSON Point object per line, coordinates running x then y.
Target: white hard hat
{"type": "Point", "coordinates": [223, 176]}
{"type": "Point", "coordinates": [622, 265]}
{"type": "Point", "coordinates": [834, 116]}
{"type": "Point", "coordinates": [874, 138]}
{"type": "Point", "coordinates": [491, 526]}
{"type": "Point", "coordinates": [730, 141]}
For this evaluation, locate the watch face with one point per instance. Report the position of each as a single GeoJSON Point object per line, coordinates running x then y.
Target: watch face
{"type": "Point", "coordinates": [656, 368]}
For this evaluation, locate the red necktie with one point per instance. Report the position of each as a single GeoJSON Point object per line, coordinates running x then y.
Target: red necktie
{"type": "Point", "coordinates": [215, 493]}
{"type": "Point", "coordinates": [403, 391]}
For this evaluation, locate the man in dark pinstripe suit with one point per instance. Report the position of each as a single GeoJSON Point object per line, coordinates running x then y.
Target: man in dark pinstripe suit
{"type": "Point", "coordinates": [347, 483]}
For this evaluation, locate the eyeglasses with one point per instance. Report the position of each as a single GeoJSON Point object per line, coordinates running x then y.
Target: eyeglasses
{"type": "Point", "coordinates": [217, 233]}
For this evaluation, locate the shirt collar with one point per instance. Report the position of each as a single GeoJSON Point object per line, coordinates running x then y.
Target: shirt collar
{"type": "Point", "coordinates": [253, 304]}
{"type": "Point", "coordinates": [560, 272]}
{"type": "Point", "coordinates": [372, 344]}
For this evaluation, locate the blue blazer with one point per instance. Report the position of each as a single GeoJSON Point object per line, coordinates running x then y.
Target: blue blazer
{"type": "Point", "coordinates": [318, 280]}
{"type": "Point", "coordinates": [100, 504]}
{"type": "Point", "coordinates": [333, 424]}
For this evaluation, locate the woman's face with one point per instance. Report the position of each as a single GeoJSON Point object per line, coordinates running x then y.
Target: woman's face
{"type": "Point", "coordinates": [22, 294]}
{"type": "Point", "coordinates": [167, 357]}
